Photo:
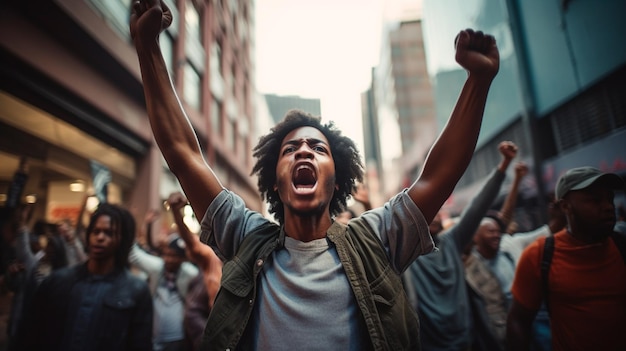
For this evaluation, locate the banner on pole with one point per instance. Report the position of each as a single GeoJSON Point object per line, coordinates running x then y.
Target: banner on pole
{"type": "Point", "coordinates": [101, 179]}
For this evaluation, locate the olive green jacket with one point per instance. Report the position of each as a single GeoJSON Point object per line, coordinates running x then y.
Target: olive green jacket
{"type": "Point", "coordinates": [391, 322]}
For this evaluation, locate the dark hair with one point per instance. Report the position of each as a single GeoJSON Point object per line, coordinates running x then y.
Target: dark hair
{"type": "Point", "coordinates": [348, 166]}
{"type": "Point", "coordinates": [122, 225]}
{"type": "Point", "coordinates": [59, 259]}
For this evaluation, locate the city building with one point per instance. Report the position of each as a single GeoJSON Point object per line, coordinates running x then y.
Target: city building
{"type": "Point", "coordinates": [71, 96]}
{"type": "Point", "coordinates": [278, 105]}
{"type": "Point", "coordinates": [560, 93]}
{"type": "Point", "coordinates": [398, 110]}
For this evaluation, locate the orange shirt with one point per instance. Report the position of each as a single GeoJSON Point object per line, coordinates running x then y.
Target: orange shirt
{"type": "Point", "coordinates": [587, 292]}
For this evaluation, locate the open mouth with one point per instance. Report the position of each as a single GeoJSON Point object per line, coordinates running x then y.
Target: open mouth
{"type": "Point", "coordinates": [304, 178]}
{"type": "Point", "coordinates": [96, 249]}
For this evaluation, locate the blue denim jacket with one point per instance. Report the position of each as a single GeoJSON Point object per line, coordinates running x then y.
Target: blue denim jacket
{"type": "Point", "coordinates": [125, 322]}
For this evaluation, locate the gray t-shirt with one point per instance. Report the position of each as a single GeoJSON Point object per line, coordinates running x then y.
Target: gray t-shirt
{"type": "Point", "coordinates": [304, 300]}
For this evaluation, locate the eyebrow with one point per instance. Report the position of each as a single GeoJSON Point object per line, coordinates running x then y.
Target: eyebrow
{"type": "Point", "coordinates": [309, 141]}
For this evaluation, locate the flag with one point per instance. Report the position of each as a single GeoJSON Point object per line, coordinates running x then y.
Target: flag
{"type": "Point", "coordinates": [101, 178]}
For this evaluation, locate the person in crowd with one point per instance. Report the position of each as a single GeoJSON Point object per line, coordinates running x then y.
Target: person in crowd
{"type": "Point", "coordinates": [306, 280]}
{"type": "Point", "coordinates": [73, 246]}
{"type": "Point", "coordinates": [145, 237]}
{"type": "Point", "coordinates": [490, 265]}
{"type": "Point", "coordinates": [197, 312]}
{"type": "Point", "coordinates": [168, 277]}
{"type": "Point", "coordinates": [203, 288]}
{"type": "Point", "coordinates": [9, 216]}
{"type": "Point", "coordinates": [96, 305]}
{"type": "Point", "coordinates": [541, 339]}
{"type": "Point", "coordinates": [361, 200]}
{"type": "Point", "coordinates": [33, 264]}
{"type": "Point", "coordinates": [435, 283]}
{"type": "Point", "coordinates": [201, 255]}
{"type": "Point", "coordinates": [585, 286]}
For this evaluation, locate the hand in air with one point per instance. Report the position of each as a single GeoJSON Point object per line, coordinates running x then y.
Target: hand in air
{"type": "Point", "coordinates": [507, 149]}
{"type": "Point", "coordinates": [477, 53]}
{"type": "Point", "coordinates": [148, 19]}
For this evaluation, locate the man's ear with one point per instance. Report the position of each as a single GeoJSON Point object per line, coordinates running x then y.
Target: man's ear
{"type": "Point", "coordinates": [564, 205]}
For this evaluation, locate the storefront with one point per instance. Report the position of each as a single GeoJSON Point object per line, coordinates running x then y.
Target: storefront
{"type": "Point", "coordinates": [66, 106]}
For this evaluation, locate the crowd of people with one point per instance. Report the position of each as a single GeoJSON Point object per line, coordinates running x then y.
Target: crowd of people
{"type": "Point", "coordinates": [321, 274]}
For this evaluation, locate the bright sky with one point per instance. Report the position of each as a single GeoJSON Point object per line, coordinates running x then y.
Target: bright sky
{"type": "Point", "coordinates": [319, 49]}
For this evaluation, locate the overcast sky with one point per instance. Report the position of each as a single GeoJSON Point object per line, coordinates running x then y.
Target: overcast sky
{"type": "Point", "coordinates": [321, 49]}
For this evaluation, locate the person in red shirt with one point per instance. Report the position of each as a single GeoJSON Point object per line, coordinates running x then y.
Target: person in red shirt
{"type": "Point", "coordinates": [586, 292]}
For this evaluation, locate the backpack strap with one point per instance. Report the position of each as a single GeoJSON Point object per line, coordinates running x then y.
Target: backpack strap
{"type": "Point", "coordinates": [548, 250]}
{"type": "Point", "coordinates": [620, 241]}
{"type": "Point", "coordinates": [546, 261]}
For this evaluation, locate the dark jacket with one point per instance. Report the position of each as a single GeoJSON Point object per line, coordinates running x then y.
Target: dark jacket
{"type": "Point", "coordinates": [124, 324]}
{"type": "Point", "coordinates": [391, 322]}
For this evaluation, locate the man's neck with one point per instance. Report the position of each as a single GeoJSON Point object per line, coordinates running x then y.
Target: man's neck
{"type": "Point", "coordinates": [585, 237]}
{"type": "Point", "coordinates": [307, 228]}
{"type": "Point", "coordinates": [98, 267]}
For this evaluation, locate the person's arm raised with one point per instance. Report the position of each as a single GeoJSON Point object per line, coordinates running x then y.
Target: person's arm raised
{"type": "Point", "coordinates": [177, 201]}
{"type": "Point", "coordinates": [508, 207]}
{"type": "Point", "coordinates": [172, 129]}
{"type": "Point", "coordinates": [453, 149]}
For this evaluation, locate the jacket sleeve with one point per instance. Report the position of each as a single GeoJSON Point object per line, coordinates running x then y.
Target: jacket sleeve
{"type": "Point", "coordinates": [144, 261]}
{"type": "Point", "coordinates": [23, 251]}
{"type": "Point", "coordinates": [464, 230]}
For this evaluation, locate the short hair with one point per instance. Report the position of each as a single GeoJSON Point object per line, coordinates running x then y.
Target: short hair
{"type": "Point", "coordinates": [122, 224]}
{"type": "Point", "coordinates": [348, 165]}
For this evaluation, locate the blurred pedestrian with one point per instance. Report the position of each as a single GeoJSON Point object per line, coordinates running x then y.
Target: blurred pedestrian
{"type": "Point", "coordinates": [97, 305]}
{"type": "Point", "coordinates": [435, 283]}
{"type": "Point", "coordinates": [73, 245]}
{"type": "Point", "coordinates": [584, 285]}
{"type": "Point", "coordinates": [169, 276]}
{"type": "Point", "coordinates": [31, 266]}
{"type": "Point", "coordinates": [202, 289]}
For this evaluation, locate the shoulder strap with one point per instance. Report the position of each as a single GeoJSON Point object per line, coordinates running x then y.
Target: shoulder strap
{"type": "Point", "coordinates": [548, 250]}
{"type": "Point", "coordinates": [620, 241]}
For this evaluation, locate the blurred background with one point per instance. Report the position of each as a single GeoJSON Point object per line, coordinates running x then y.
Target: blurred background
{"type": "Point", "coordinates": [71, 94]}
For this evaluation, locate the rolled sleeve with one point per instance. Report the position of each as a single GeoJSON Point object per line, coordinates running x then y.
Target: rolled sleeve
{"type": "Point", "coordinates": [402, 229]}
{"type": "Point", "coordinates": [226, 222]}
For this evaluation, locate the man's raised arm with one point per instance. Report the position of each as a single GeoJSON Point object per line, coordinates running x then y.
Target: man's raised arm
{"type": "Point", "coordinates": [453, 149]}
{"type": "Point", "coordinates": [171, 127]}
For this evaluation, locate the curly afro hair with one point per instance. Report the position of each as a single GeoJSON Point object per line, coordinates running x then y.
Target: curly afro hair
{"type": "Point", "coordinates": [348, 166]}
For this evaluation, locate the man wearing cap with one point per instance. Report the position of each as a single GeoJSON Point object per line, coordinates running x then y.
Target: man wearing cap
{"type": "Point", "coordinates": [586, 290]}
{"type": "Point", "coordinates": [168, 276]}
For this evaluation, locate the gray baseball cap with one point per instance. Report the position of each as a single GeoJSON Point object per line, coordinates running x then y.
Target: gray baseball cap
{"type": "Point", "coordinates": [582, 177]}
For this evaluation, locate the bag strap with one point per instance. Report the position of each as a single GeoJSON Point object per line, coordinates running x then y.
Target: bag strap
{"type": "Point", "coordinates": [548, 251]}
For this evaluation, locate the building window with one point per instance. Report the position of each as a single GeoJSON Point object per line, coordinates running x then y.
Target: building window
{"type": "Point", "coordinates": [216, 115]}
{"type": "Point", "coordinates": [192, 87]}
{"type": "Point", "coordinates": [194, 50]}
{"type": "Point", "coordinates": [115, 12]}
{"type": "Point", "coordinates": [215, 67]}
{"type": "Point", "coordinates": [233, 80]}
{"type": "Point", "coordinates": [167, 48]}
{"type": "Point", "coordinates": [229, 134]}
